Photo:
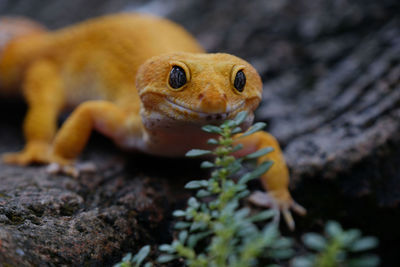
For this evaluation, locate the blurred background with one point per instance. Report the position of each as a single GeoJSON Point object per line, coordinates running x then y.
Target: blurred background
{"type": "Point", "coordinates": [331, 72]}
{"type": "Point", "coordinates": [310, 54]}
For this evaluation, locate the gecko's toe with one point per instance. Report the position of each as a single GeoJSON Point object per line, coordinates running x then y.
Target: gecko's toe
{"type": "Point", "coordinates": [56, 168]}
{"type": "Point", "coordinates": [296, 207]}
{"type": "Point", "coordinates": [262, 199]}
{"type": "Point", "coordinates": [34, 152]}
{"type": "Point", "coordinates": [87, 167]}
{"type": "Point", "coordinates": [71, 169]}
{"type": "Point", "coordinates": [287, 215]}
{"type": "Point", "coordinates": [282, 205]}
{"type": "Point", "coordinates": [15, 159]}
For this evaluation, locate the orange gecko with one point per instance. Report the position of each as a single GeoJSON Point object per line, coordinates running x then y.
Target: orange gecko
{"type": "Point", "coordinates": [140, 80]}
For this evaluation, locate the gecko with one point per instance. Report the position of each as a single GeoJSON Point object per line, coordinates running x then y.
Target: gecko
{"type": "Point", "coordinates": [140, 80]}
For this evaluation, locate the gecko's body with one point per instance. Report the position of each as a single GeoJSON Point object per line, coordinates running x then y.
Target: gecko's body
{"type": "Point", "coordinates": [140, 80]}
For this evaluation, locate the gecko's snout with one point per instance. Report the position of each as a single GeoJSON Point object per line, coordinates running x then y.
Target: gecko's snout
{"type": "Point", "coordinates": [213, 101]}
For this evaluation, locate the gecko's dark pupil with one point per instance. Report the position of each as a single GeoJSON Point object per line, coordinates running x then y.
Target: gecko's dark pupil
{"type": "Point", "coordinates": [177, 77]}
{"type": "Point", "coordinates": [240, 81]}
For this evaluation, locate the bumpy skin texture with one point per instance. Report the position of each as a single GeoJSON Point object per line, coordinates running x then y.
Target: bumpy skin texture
{"type": "Point", "coordinates": [113, 72]}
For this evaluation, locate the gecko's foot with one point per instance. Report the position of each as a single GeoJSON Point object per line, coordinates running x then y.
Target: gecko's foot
{"type": "Point", "coordinates": [280, 201]}
{"type": "Point", "coordinates": [41, 153]}
{"type": "Point", "coordinates": [70, 169]}
{"type": "Point", "coordinates": [34, 152]}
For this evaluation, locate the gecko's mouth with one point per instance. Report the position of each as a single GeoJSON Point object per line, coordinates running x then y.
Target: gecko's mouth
{"type": "Point", "coordinates": [208, 116]}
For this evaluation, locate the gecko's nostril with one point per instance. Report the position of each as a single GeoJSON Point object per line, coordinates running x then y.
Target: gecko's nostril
{"type": "Point", "coordinates": [217, 117]}
{"type": "Point", "coordinates": [212, 100]}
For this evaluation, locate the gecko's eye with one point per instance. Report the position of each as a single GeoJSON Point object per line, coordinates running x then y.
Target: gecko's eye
{"type": "Point", "coordinates": [240, 81]}
{"type": "Point", "coordinates": [177, 77]}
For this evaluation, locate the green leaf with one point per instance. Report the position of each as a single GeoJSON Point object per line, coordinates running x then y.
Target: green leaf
{"type": "Point", "coordinates": [282, 243]}
{"type": "Point", "coordinates": [255, 128]}
{"type": "Point", "coordinates": [212, 141]}
{"type": "Point", "coordinates": [270, 232]}
{"type": "Point", "coordinates": [195, 238]}
{"type": "Point", "coordinates": [250, 232]}
{"type": "Point", "coordinates": [245, 178]}
{"type": "Point", "coordinates": [127, 257]}
{"type": "Point", "coordinates": [229, 208]}
{"type": "Point", "coordinates": [192, 202]}
{"type": "Point", "coordinates": [262, 216]}
{"type": "Point", "coordinates": [364, 261]}
{"type": "Point", "coordinates": [261, 169]}
{"type": "Point", "coordinates": [239, 187]}
{"type": "Point", "coordinates": [234, 167]}
{"type": "Point", "coordinates": [281, 253]}
{"type": "Point", "coordinates": [175, 244]}
{"type": "Point", "coordinates": [207, 164]}
{"type": "Point", "coordinates": [340, 255]}
{"type": "Point", "coordinates": [203, 193]}
{"type": "Point", "coordinates": [237, 148]}
{"type": "Point", "coordinates": [179, 213]}
{"type": "Point", "coordinates": [242, 194]}
{"type": "Point", "coordinates": [349, 237]}
{"type": "Point", "coordinates": [212, 129]}
{"type": "Point", "coordinates": [303, 261]}
{"type": "Point", "coordinates": [197, 153]}
{"type": "Point", "coordinates": [166, 248]}
{"type": "Point", "coordinates": [196, 184]}
{"type": "Point", "coordinates": [148, 264]}
{"type": "Point", "coordinates": [197, 225]}
{"type": "Point", "coordinates": [182, 225]}
{"type": "Point", "coordinates": [182, 236]}
{"type": "Point", "coordinates": [237, 130]}
{"type": "Point", "coordinates": [166, 258]}
{"type": "Point", "coordinates": [364, 243]}
{"type": "Point", "coordinates": [214, 214]}
{"type": "Point", "coordinates": [228, 123]}
{"type": "Point", "coordinates": [240, 117]}
{"type": "Point", "coordinates": [239, 215]}
{"type": "Point", "coordinates": [314, 241]}
{"type": "Point", "coordinates": [141, 255]}
{"type": "Point", "coordinates": [333, 229]}
{"type": "Point", "coordinates": [259, 153]}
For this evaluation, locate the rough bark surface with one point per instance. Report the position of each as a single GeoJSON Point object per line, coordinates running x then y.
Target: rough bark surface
{"type": "Point", "coordinates": [58, 220]}
{"type": "Point", "coordinates": [331, 73]}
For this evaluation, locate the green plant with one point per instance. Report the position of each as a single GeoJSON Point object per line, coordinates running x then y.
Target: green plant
{"type": "Point", "coordinates": [337, 248]}
{"type": "Point", "coordinates": [215, 231]}
{"type": "Point", "coordinates": [135, 261]}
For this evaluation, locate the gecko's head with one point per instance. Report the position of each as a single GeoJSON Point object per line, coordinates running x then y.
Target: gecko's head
{"type": "Point", "coordinates": [198, 88]}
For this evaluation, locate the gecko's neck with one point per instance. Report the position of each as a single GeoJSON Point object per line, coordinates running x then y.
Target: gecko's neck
{"type": "Point", "coordinates": [164, 133]}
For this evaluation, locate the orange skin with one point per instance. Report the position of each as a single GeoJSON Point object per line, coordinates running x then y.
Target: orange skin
{"type": "Point", "coordinates": [92, 67]}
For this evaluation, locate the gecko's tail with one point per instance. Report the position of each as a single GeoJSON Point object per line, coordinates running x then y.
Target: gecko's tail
{"type": "Point", "coordinates": [13, 28]}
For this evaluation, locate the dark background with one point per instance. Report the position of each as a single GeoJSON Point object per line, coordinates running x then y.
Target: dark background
{"type": "Point", "coordinates": [331, 96]}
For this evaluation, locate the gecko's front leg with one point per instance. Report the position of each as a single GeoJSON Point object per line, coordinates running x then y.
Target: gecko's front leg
{"type": "Point", "coordinates": [103, 116]}
{"type": "Point", "coordinates": [44, 93]}
{"type": "Point", "coordinates": [275, 180]}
